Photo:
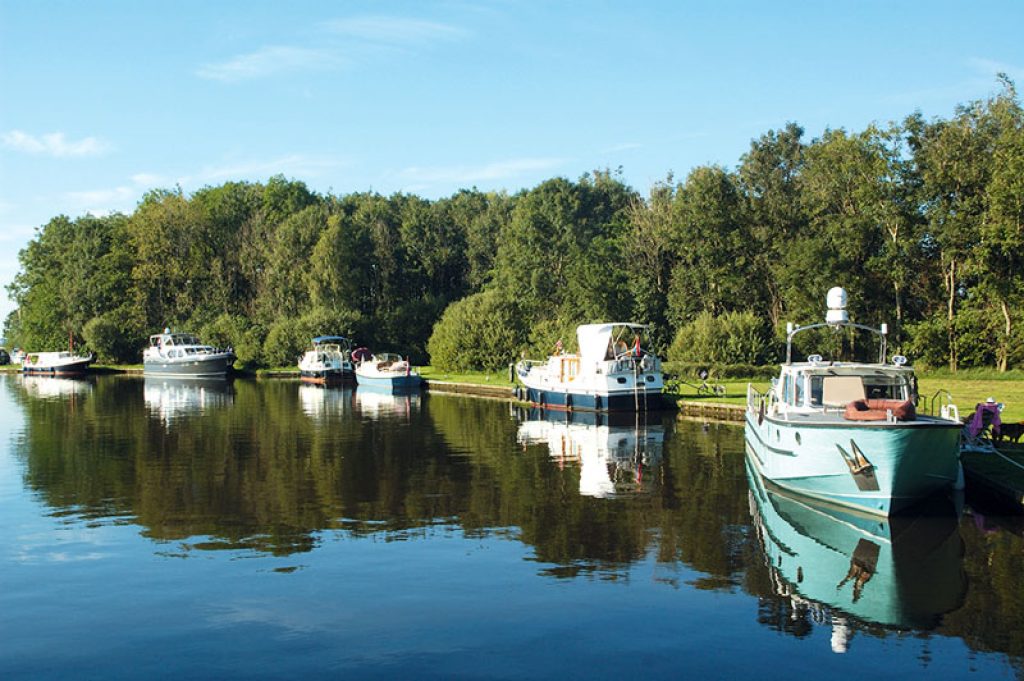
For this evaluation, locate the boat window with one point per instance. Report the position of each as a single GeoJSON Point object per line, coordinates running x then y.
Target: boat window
{"type": "Point", "coordinates": [799, 397]}
{"type": "Point", "coordinates": [787, 389]}
{"type": "Point", "coordinates": [838, 391]}
{"type": "Point", "coordinates": [885, 388]}
{"type": "Point", "coordinates": [816, 381]}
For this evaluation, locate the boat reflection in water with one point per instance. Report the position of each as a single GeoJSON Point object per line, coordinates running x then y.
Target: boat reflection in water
{"type": "Point", "coordinates": [172, 398]}
{"type": "Point", "coordinates": [321, 402]}
{"type": "Point", "coordinates": [56, 387]}
{"type": "Point", "coordinates": [374, 402]}
{"type": "Point", "coordinates": [839, 565]}
{"type": "Point", "coordinates": [613, 451]}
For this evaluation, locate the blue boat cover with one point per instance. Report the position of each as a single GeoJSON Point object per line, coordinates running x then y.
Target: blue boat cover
{"type": "Point", "coordinates": [330, 339]}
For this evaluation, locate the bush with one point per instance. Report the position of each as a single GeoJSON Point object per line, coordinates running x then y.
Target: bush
{"type": "Point", "coordinates": [733, 338]}
{"type": "Point", "coordinates": [483, 331]}
{"type": "Point", "coordinates": [113, 338]}
{"type": "Point", "coordinates": [237, 333]}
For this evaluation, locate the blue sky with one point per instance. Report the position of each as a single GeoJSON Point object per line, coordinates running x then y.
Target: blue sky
{"type": "Point", "coordinates": [101, 101]}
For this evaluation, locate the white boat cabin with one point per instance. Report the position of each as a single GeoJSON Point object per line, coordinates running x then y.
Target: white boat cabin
{"type": "Point", "coordinates": [819, 386]}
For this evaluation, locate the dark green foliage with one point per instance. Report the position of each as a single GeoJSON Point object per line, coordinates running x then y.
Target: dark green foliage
{"type": "Point", "coordinates": [111, 337]}
{"type": "Point", "coordinates": [482, 331]}
{"type": "Point", "coordinates": [922, 222]}
{"type": "Point", "coordinates": [732, 338]}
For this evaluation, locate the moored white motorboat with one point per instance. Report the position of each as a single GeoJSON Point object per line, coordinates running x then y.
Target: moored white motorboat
{"type": "Point", "coordinates": [181, 355]}
{"type": "Point", "coordinates": [849, 432]}
{"type": "Point", "coordinates": [61, 363]}
{"type": "Point", "coordinates": [611, 372]}
{"type": "Point", "coordinates": [328, 361]}
{"type": "Point", "coordinates": [387, 371]}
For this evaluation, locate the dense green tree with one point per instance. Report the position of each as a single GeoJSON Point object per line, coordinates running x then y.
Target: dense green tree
{"type": "Point", "coordinates": [921, 221]}
{"type": "Point", "coordinates": [769, 177]}
{"type": "Point", "coordinates": [712, 268]}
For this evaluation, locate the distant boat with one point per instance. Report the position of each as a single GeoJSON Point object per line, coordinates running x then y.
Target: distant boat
{"type": "Point", "coordinates": [611, 372]}
{"type": "Point", "coordinates": [181, 355]}
{"type": "Point", "coordinates": [328, 361]}
{"type": "Point", "coordinates": [387, 370]}
{"type": "Point", "coordinates": [61, 363]}
{"type": "Point", "coordinates": [848, 432]}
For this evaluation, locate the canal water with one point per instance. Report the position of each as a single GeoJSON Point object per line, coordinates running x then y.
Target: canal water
{"type": "Point", "coordinates": [268, 529]}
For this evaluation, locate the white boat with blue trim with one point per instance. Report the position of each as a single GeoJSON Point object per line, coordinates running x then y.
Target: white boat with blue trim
{"type": "Point", "coordinates": [611, 372]}
{"type": "Point", "coordinates": [62, 363]}
{"type": "Point", "coordinates": [387, 371]}
{"type": "Point", "coordinates": [328, 361]}
{"type": "Point", "coordinates": [181, 355]}
{"type": "Point", "coordinates": [849, 432]}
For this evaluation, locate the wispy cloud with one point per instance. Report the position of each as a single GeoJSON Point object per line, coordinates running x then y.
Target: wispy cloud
{"type": "Point", "coordinates": [51, 144]}
{"type": "Point", "coordinates": [343, 42]}
{"type": "Point", "coordinates": [270, 61]}
{"type": "Point", "coordinates": [394, 30]}
{"type": "Point", "coordinates": [501, 170]}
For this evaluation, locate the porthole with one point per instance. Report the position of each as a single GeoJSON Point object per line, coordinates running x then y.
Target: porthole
{"type": "Point", "coordinates": [798, 438]}
{"type": "Point", "coordinates": [622, 380]}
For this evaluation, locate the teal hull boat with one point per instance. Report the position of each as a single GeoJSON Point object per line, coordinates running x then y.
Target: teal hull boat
{"type": "Point", "coordinates": [849, 432]}
{"type": "Point", "coordinates": [880, 468]}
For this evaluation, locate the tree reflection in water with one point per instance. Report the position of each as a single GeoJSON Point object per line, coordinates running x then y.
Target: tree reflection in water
{"type": "Point", "coordinates": [277, 468]}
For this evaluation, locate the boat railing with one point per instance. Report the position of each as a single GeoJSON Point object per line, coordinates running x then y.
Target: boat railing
{"type": "Point", "coordinates": [940, 404]}
{"type": "Point", "coordinates": [523, 366]}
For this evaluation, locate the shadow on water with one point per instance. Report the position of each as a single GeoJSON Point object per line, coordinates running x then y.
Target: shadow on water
{"type": "Point", "coordinates": [273, 468]}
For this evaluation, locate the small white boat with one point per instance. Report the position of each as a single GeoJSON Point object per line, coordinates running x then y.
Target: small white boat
{"type": "Point", "coordinates": [611, 372]}
{"type": "Point", "coordinates": [328, 361]}
{"type": "Point", "coordinates": [61, 363]}
{"type": "Point", "coordinates": [849, 432]}
{"type": "Point", "coordinates": [181, 355]}
{"type": "Point", "coordinates": [387, 371]}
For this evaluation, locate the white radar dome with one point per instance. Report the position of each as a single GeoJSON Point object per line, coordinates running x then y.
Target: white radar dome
{"type": "Point", "coordinates": [836, 300]}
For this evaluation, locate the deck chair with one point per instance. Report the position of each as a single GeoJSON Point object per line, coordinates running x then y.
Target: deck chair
{"type": "Point", "coordinates": [979, 429]}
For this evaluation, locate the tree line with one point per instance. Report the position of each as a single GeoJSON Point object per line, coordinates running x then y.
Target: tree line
{"type": "Point", "coordinates": [920, 220]}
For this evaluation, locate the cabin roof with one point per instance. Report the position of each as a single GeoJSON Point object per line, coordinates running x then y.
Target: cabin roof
{"type": "Point", "coordinates": [594, 338]}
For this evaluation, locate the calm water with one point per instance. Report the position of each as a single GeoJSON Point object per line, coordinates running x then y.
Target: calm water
{"type": "Point", "coordinates": [270, 529]}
